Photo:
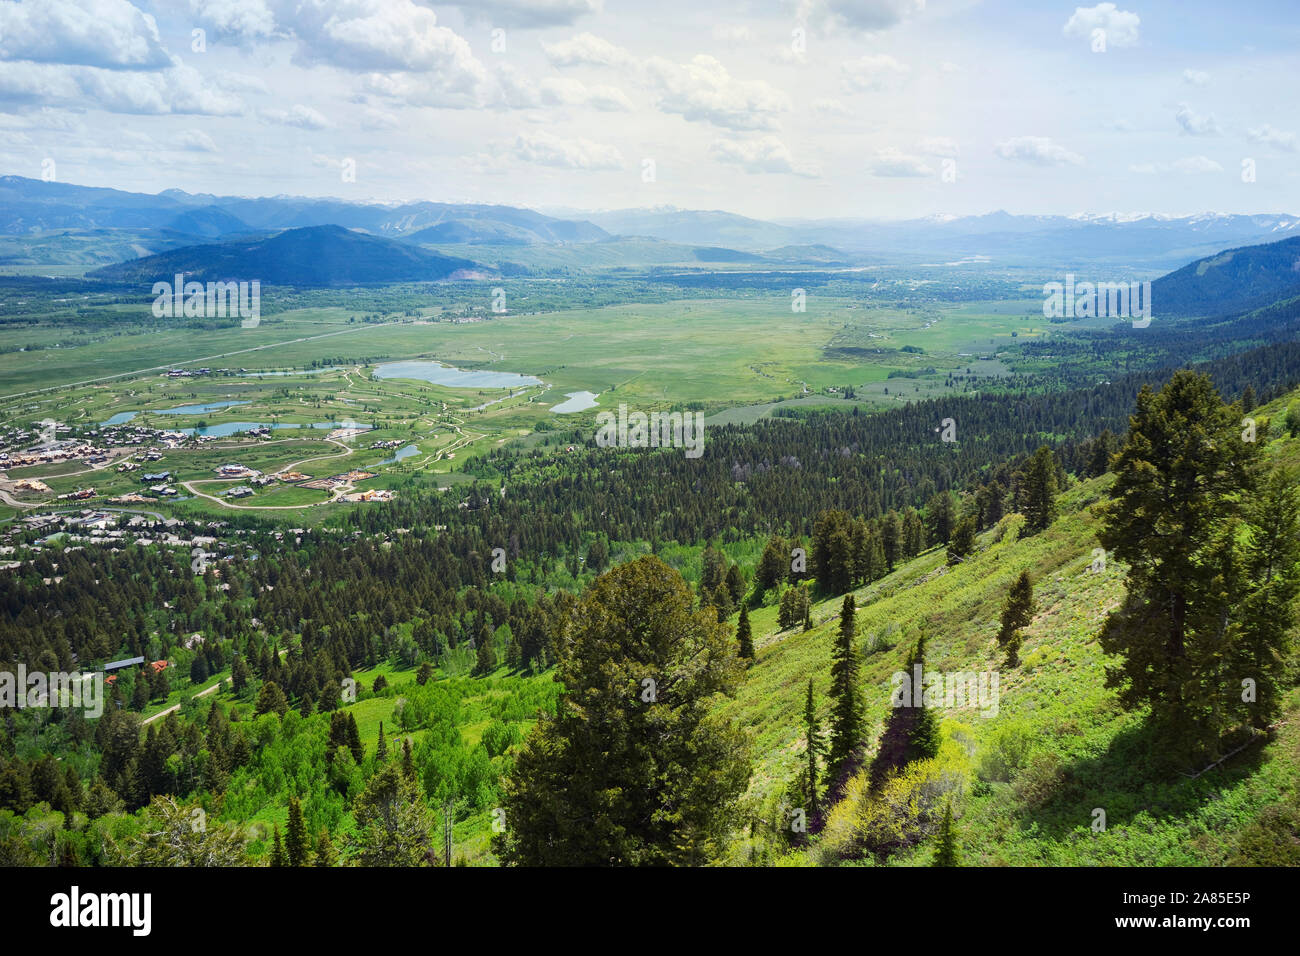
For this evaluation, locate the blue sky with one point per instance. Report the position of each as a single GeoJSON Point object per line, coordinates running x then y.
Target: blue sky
{"type": "Point", "coordinates": [805, 108]}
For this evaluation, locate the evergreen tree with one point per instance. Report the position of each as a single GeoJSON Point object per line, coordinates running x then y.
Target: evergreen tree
{"type": "Point", "coordinates": [423, 674]}
{"type": "Point", "coordinates": [278, 856]}
{"type": "Point", "coordinates": [642, 666]}
{"type": "Point", "coordinates": [598, 555]}
{"type": "Point", "coordinates": [271, 699]}
{"type": "Point", "coordinates": [408, 759]}
{"type": "Point", "coordinates": [744, 635]}
{"type": "Point", "coordinates": [1182, 482]}
{"type": "Point", "coordinates": [773, 566]}
{"type": "Point", "coordinates": [381, 750]}
{"type": "Point", "coordinates": [846, 702]}
{"type": "Point", "coordinates": [891, 538]}
{"type": "Point", "coordinates": [939, 514]}
{"type": "Point", "coordinates": [354, 739]}
{"type": "Point", "coordinates": [813, 750]}
{"type": "Point", "coordinates": [393, 824]}
{"type": "Point", "coordinates": [325, 853]}
{"type": "Point", "coordinates": [1038, 490]}
{"type": "Point", "coordinates": [486, 658]}
{"type": "Point", "coordinates": [963, 541]}
{"type": "Point", "coordinates": [913, 533]}
{"type": "Point", "coordinates": [947, 853]}
{"type": "Point", "coordinates": [296, 845]}
{"type": "Point", "coordinates": [1018, 609]}
{"type": "Point", "coordinates": [1264, 619]}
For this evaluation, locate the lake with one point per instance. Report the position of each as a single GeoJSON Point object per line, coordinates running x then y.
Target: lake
{"type": "Point", "coordinates": [578, 402]}
{"type": "Point", "coordinates": [439, 374]}
{"type": "Point", "coordinates": [401, 453]}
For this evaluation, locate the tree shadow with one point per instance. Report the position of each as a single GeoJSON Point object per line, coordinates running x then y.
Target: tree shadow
{"type": "Point", "coordinates": [1143, 771]}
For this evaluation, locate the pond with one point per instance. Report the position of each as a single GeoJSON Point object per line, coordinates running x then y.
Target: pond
{"type": "Point", "coordinates": [121, 418]}
{"type": "Point", "coordinates": [401, 453]}
{"type": "Point", "coordinates": [449, 375]}
{"type": "Point", "coordinates": [578, 402]}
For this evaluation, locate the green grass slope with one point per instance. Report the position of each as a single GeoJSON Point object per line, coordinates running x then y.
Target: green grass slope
{"type": "Point", "coordinates": [1025, 783]}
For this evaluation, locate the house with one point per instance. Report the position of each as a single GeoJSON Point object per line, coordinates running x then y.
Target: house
{"type": "Point", "coordinates": [239, 491]}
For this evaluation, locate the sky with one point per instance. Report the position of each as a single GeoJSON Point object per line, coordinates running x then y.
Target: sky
{"type": "Point", "coordinates": [776, 109]}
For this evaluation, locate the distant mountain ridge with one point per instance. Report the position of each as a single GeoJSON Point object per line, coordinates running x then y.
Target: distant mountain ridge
{"type": "Point", "coordinates": [31, 205]}
{"type": "Point", "coordinates": [1233, 280]}
{"type": "Point", "coordinates": [308, 257]}
{"type": "Point", "coordinates": [1149, 242]}
{"type": "Point", "coordinates": [1142, 245]}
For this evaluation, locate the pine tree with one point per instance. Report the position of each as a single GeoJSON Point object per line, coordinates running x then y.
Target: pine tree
{"type": "Point", "coordinates": [423, 673]}
{"type": "Point", "coordinates": [773, 566]}
{"type": "Point", "coordinates": [408, 759]}
{"type": "Point", "coordinates": [1264, 619]}
{"type": "Point", "coordinates": [846, 702]}
{"type": "Point", "coordinates": [1038, 490]}
{"type": "Point", "coordinates": [393, 823]}
{"type": "Point", "coordinates": [1183, 479]}
{"type": "Point", "coordinates": [325, 853]}
{"type": "Point", "coordinates": [577, 792]}
{"type": "Point", "coordinates": [963, 541]}
{"type": "Point", "coordinates": [486, 657]}
{"type": "Point", "coordinates": [947, 853]}
{"type": "Point", "coordinates": [278, 856]}
{"type": "Point", "coordinates": [744, 635]}
{"type": "Point", "coordinates": [813, 750]}
{"type": "Point", "coordinates": [295, 844]}
{"type": "Point", "coordinates": [381, 750]}
{"type": "Point", "coordinates": [354, 739]}
{"type": "Point", "coordinates": [939, 514]}
{"type": "Point", "coordinates": [271, 699]}
{"type": "Point", "coordinates": [1019, 608]}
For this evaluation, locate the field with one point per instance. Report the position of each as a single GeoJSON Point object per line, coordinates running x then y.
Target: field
{"type": "Point", "coordinates": [304, 370]}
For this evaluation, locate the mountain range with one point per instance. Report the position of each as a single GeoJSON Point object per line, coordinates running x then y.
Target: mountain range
{"type": "Point", "coordinates": [58, 223]}
{"type": "Point", "coordinates": [310, 256]}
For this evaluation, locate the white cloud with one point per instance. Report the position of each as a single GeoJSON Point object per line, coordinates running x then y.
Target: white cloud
{"type": "Point", "coordinates": [303, 117]}
{"type": "Point", "coordinates": [874, 71]}
{"type": "Point", "coordinates": [178, 90]}
{"type": "Point", "coordinates": [525, 14]}
{"type": "Point", "coordinates": [112, 34]}
{"type": "Point", "coordinates": [239, 83]}
{"type": "Point", "coordinates": [765, 155]}
{"type": "Point", "coordinates": [1119, 26]}
{"type": "Point", "coordinates": [586, 49]}
{"type": "Point", "coordinates": [240, 20]}
{"type": "Point", "coordinates": [1196, 77]}
{"type": "Point", "coordinates": [373, 118]}
{"type": "Point", "coordinates": [825, 106]}
{"type": "Point", "coordinates": [1188, 164]}
{"type": "Point", "coordinates": [703, 91]}
{"type": "Point", "coordinates": [562, 91]}
{"type": "Point", "coordinates": [518, 92]}
{"type": "Point", "coordinates": [197, 141]}
{"type": "Point", "coordinates": [1194, 124]}
{"type": "Point", "coordinates": [895, 163]}
{"type": "Point", "coordinates": [546, 149]}
{"type": "Point", "coordinates": [859, 14]}
{"type": "Point", "coordinates": [732, 33]}
{"type": "Point", "coordinates": [938, 146]}
{"type": "Point", "coordinates": [1039, 150]}
{"type": "Point", "coordinates": [1268, 136]}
